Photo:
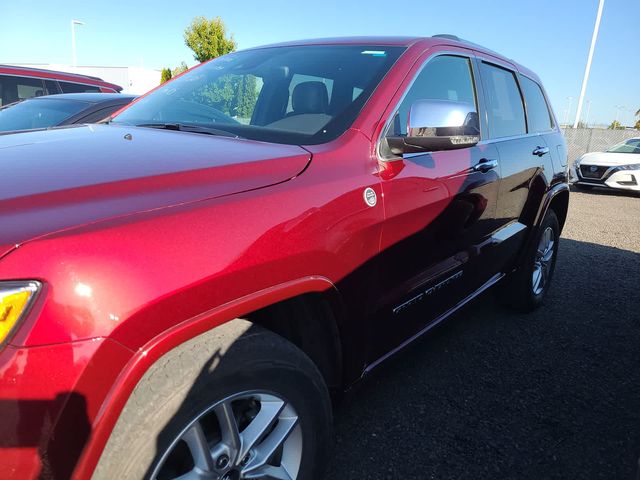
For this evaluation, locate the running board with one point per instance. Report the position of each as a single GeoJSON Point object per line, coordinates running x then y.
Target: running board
{"type": "Point", "coordinates": [491, 282]}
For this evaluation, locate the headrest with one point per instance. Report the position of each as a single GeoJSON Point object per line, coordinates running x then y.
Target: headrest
{"type": "Point", "coordinates": [310, 97]}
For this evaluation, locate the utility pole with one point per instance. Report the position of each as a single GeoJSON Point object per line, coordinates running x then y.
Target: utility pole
{"type": "Point", "coordinates": [586, 118]}
{"type": "Point", "coordinates": [594, 37]}
{"type": "Point", "coordinates": [74, 58]}
{"type": "Point", "coordinates": [568, 111]}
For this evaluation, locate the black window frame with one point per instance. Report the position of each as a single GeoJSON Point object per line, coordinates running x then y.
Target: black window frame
{"type": "Point", "coordinates": [516, 77]}
{"type": "Point", "coordinates": [552, 120]}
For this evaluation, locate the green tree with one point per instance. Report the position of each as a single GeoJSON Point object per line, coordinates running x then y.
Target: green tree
{"type": "Point", "coordinates": [208, 38]}
{"type": "Point", "coordinates": [616, 125]}
{"type": "Point", "coordinates": [179, 69]}
{"type": "Point", "coordinates": [637, 125]}
{"type": "Point", "coordinates": [165, 76]}
{"type": "Point", "coordinates": [247, 96]}
{"type": "Point", "coordinates": [233, 95]}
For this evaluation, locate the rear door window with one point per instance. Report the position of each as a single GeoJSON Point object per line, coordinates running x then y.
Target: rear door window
{"type": "Point", "coordinates": [68, 87]}
{"type": "Point", "coordinates": [538, 115]}
{"type": "Point", "coordinates": [504, 102]}
{"type": "Point", "coordinates": [52, 87]}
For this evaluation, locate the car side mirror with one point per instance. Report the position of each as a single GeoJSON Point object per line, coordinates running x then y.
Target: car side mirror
{"type": "Point", "coordinates": [437, 125]}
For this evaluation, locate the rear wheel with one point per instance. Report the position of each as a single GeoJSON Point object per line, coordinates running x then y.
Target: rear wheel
{"type": "Point", "coordinates": [238, 402]}
{"type": "Point", "coordinates": [528, 285]}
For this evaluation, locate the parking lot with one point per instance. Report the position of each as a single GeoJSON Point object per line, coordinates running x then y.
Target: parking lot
{"type": "Point", "coordinates": [496, 394]}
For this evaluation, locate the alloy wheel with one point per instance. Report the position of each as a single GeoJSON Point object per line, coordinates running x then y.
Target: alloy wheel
{"type": "Point", "coordinates": [249, 435]}
{"type": "Point", "coordinates": [543, 260]}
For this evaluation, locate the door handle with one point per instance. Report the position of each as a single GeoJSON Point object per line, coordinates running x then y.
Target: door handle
{"type": "Point", "coordinates": [540, 151]}
{"type": "Point", "coordinates": [484, 165]}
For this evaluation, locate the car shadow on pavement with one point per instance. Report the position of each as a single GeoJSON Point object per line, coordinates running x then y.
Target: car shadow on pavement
{"type": "Point", "coordinates": [607, 192]}
{"type": "Point", "coordinates": [499, 394]}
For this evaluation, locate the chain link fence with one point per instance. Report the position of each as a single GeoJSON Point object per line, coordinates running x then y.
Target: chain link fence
{"type": "Point", "coordinates": [583, 140]}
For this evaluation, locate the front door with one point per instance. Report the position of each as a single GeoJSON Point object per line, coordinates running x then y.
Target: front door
{"type": "Point", "coordinates": [439, 215]}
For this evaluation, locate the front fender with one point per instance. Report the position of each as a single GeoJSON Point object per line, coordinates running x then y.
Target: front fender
{"type": "Point", "coordinates": [157, 345]}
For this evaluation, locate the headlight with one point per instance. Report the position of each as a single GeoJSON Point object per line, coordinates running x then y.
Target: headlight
{"type": "Point", "coordinates": [576, 164]}
{"type": "Point", "coordinates": [635, 166]}
{"type": "Point", "coordinates": [16, 298]}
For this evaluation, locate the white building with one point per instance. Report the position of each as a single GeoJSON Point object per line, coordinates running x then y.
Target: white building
{"type": "Point", "coordinates": [134, 80]}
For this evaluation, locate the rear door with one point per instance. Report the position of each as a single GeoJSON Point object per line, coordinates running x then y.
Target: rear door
{"type": "Point", "coordinates": [541, 121]}
{"type": "Point", "coordinates": [520, 152]}
{"type": "Point", "coordinates": [439, 212]}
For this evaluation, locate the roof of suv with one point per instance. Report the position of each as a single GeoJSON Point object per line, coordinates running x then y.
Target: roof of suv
{"type": "Point", "coordinates": [401, 41]}
{"type": "Point", "coordinates": [56, 75]}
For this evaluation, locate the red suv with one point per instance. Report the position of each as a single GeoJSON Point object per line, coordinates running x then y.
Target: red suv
{"type": "Point", "coordinates": [19, 83]}
{"type": "Point", "coordinates": [184, 289]}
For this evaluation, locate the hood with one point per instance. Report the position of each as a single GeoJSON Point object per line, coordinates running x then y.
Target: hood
{"type": "Point", "coordinates": [72, 176]}
{"type": "Point", "coordinates": [609, 159]}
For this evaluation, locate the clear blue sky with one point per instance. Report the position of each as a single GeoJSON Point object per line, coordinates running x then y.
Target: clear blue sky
{"type": "Point", "coordinates": [549, 36]}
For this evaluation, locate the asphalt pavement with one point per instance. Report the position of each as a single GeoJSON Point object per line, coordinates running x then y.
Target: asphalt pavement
{"type": "Point", "coordinates": [495, 394]}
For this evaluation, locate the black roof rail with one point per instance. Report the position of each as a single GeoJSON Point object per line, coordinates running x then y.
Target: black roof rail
{"type": "Point", "coordinates": [449, 36]}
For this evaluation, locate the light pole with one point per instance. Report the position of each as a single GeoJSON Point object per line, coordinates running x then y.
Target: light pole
{"type": "Point", "coordinates": [586, 118]}
{"type": "Point", "coordinates": [587, 69]}
{"type": "Point", "coordinates": [73, 41]}
{"type": "Point", "coordinates": [568, 112]}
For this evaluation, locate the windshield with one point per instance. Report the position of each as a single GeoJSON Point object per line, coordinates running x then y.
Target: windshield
{"type": "Point", "coordinates": [40, 113]}
{"type": "Point", "coordinates": [298, 95]}
{"type": "Point", "coordinates": [630, 146]}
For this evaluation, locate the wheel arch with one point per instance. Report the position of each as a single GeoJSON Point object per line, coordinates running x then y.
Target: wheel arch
{"type": "Point", "coordinates": [559, 203]}
{"type": "Point", "coordinates": [313, 300]}
{"type": "Point", "coordinates": [541, 199]}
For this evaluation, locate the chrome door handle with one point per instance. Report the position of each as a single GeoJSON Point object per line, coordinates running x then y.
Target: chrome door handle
{"type": "Point", "coordinates": [540, 151]}
{"type": "Point", "coordinates": [485, 165]}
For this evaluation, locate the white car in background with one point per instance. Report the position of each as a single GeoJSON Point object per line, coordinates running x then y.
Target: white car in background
{"type": "Point", "coordinates": [618, 167]}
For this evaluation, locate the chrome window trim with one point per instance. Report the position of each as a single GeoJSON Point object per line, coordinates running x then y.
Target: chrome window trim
{"type": "Point", "coordinates": [465, 54]}
{"type": "Point", "coordinates": [512, 137]}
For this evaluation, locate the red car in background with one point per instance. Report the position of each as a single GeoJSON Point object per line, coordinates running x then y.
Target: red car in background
{"type": "Point", "coordinates": [20, 83]}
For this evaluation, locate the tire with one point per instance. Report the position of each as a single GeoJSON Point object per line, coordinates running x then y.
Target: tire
{"type": "Point", "coordinates": [237, 369]}
{"type": "Point", "coordinates": [522, 291]}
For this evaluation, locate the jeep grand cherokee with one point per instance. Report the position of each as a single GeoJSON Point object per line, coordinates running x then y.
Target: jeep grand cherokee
{"type": "Point", "coordinates": [185, 288]}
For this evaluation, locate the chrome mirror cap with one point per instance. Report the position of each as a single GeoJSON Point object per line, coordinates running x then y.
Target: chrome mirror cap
{"type": "Point", "coordinates": [426, 117]}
